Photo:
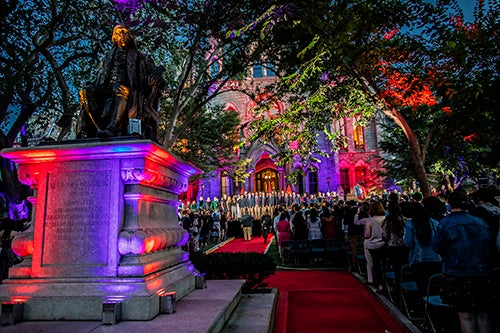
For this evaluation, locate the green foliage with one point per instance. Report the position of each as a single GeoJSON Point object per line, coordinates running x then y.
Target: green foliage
{"type": "Point", "coordinates": [45, 58]}
{"type": "Point", "coordinates": [49, 49]}
{"type": "Point", "coordinates": [408, 59]}
{"type": "Point", "coordinates": [210, 140]}
{"type": "Point", "coordinates": [251, 266]}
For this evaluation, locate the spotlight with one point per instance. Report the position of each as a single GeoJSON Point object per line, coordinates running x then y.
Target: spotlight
{"type": "Point", "coordinates": [12, 313]}
{"type": "Point", "coordinates": [200, 281]}
{"type": "Point", "coordinates": [167, 302]}
{"type": "Point", "coordinates": [111, 312]}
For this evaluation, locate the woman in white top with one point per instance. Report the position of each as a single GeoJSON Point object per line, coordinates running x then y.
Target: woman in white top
{"type": "Point", "coordinates": [375, 246]}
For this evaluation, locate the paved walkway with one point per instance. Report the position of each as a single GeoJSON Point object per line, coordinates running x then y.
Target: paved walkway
{"type": "Point", "coordinates": [203, 310]}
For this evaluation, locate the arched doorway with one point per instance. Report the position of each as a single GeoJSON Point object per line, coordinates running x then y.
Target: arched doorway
{"type": "Point", "coordinates": [266, 175]}
{"type": "Point", "coordinates": [266, 181]}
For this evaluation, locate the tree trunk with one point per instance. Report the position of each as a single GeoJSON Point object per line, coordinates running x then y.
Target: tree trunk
{"type": "Point", "coordinates": [416, 152]}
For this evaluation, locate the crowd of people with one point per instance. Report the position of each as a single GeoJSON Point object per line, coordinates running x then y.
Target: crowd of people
{"type": "Point", "coordinates": [450, 232]}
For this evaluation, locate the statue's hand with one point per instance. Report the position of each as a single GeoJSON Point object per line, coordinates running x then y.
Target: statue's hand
{"type": "Point", "coordinates": [83, 97]}
{"type": "Point", "coordinates": [123, 92]}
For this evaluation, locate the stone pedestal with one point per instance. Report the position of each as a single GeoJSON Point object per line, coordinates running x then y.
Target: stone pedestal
{"type": "Point", "coordinates": [104, 229]}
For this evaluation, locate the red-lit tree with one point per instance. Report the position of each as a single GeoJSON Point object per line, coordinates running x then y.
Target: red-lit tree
{"type": "Point", "coordinates": [398, 58]}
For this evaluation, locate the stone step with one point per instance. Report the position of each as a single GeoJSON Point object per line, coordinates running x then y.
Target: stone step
{"type": "Point", "coordinates": [201, 311]}
{"type": "Point", "coordinates": [253, 314]}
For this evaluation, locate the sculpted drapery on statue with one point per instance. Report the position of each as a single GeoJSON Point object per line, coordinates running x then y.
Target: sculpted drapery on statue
{"type": "Point", "coordinates": [124, 94]}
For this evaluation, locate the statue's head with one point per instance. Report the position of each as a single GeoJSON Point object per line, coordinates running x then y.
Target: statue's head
{"type": "Point", "coordinates": [122, 36]}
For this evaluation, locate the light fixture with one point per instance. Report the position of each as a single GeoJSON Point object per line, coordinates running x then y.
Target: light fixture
{"type": "Point", "coordinates": [200, 281]}
{"type": "Point", "coordinates": [111, 312]}
{"type": "Point", "coordinates": [12, 313]}
{"type": "Point", "coordinates": [167, 302]}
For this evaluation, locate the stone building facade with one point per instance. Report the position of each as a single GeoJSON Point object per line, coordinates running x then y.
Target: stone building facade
{"type": "Point", "coordinates": [356, 163]}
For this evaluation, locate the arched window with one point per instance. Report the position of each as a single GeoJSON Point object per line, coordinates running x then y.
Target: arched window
{"type": "Point", "coordinates": [344, 180]}
{"type": "Point", "coordinates": [257, 69]}
{"type": "Point", "coordinates": [300, 184]}
{"type": "Point", "coordinates": [359, 137]}
{"type": "Point", "coordinates": [270, 69]}
{"type": "Point", "coordinates": [313, 182]}
{"type": "Point", "coordinates": [225, 183]}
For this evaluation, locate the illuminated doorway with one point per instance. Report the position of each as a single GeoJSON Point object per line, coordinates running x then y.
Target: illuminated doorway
{"type": "Point", "coordinates": [266, 181]}
{"type": "Point", "coordinates": [266, 175]}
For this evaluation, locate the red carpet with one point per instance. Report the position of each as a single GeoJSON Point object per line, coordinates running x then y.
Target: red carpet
{"type": "Point", "coordinates": [256, 244]}
{"type": "Point", "coordinates": [327, 301]}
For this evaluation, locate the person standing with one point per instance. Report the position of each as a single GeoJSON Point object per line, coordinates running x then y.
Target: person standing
{"type": "Point", "coordinates": [223, 223]}
{"type": "Point", "coordinates": [298, 225]}
{"type": "Point", "coordinates": [374, 244]}
{"type": "Point", "coordinates": [314, 225]}
{"type": "Point", "coordinates": [265, 225]}
{"type": "Point", "coordinates": [247, 224]}
{"type": "Point", "coordinates": [419, 231]}
{"type": "Point", "coordinates": [328, 223]}
{"type": "Point", "coordinates": [283, 231]}
{"type": "Point", "coordinates": [463, 241]}
{"type": "Point", "coordinates": [487, 209]}
{"type": "Point", "coordinates": [397, 253]}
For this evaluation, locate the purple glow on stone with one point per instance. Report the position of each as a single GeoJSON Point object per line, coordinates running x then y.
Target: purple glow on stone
{"type": "Point", "coordinates": [191, 268]}
{"type": "Point", "coordinates": [42, 154]}
{"type": "Point", "coordinates": [185, 257]}
{"type": "Point", "coordinates": [115, 298]}
{"type": "Point", "coordinates": [118, 289]}
{"type": "Point", "coordinates": [184, 239]}
{"type": "Point", "coordinates": [42, 159]}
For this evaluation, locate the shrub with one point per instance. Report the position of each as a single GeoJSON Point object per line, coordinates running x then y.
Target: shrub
{"type": "Point", "coordinates": [251, 266]}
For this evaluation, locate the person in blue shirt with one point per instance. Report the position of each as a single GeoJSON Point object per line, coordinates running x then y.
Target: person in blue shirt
{"type": "Point", "coordinates": [420, 228]}
{"type": "Point", "coordinates": [463, 242]}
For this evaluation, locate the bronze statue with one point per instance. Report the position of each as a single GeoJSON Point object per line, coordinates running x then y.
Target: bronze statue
{"type": "Point", "coordinates": [124, 94]}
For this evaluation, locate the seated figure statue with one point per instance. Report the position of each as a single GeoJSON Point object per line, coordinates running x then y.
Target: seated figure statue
{"type": "Point", "coordinates": [124, 94]}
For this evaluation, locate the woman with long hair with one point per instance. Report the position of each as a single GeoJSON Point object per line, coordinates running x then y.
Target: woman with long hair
{"type": "Point", "coordinates": [298, 223]}
{"type": "Point", "coordinates": [314, 225]}
{"type": "Point", "coordinates": [374, 244]}
{"type": "Point", "coordinates": [419, 231]}
{"type": "Point", "coordinates": [283, 231]}
{"type": "Point", "coordinates": [328, 223]}
{"type": "Point", "coordinates": [397, 253]}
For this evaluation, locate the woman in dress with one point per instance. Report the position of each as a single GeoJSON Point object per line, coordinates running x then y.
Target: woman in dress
{"type": "Point", "coordinates": [314, 225]}
{"type": "Point", "coordinates": [328, 223]}
{"type": "Point", "coordinates": [283, 231]}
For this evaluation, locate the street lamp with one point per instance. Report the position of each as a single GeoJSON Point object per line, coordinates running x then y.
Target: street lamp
{"type": "Point", "coordinates": [328, 183]}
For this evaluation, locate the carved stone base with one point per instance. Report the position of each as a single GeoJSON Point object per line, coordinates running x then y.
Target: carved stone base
{"type": "Point", "coordinates": [105, 228]}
